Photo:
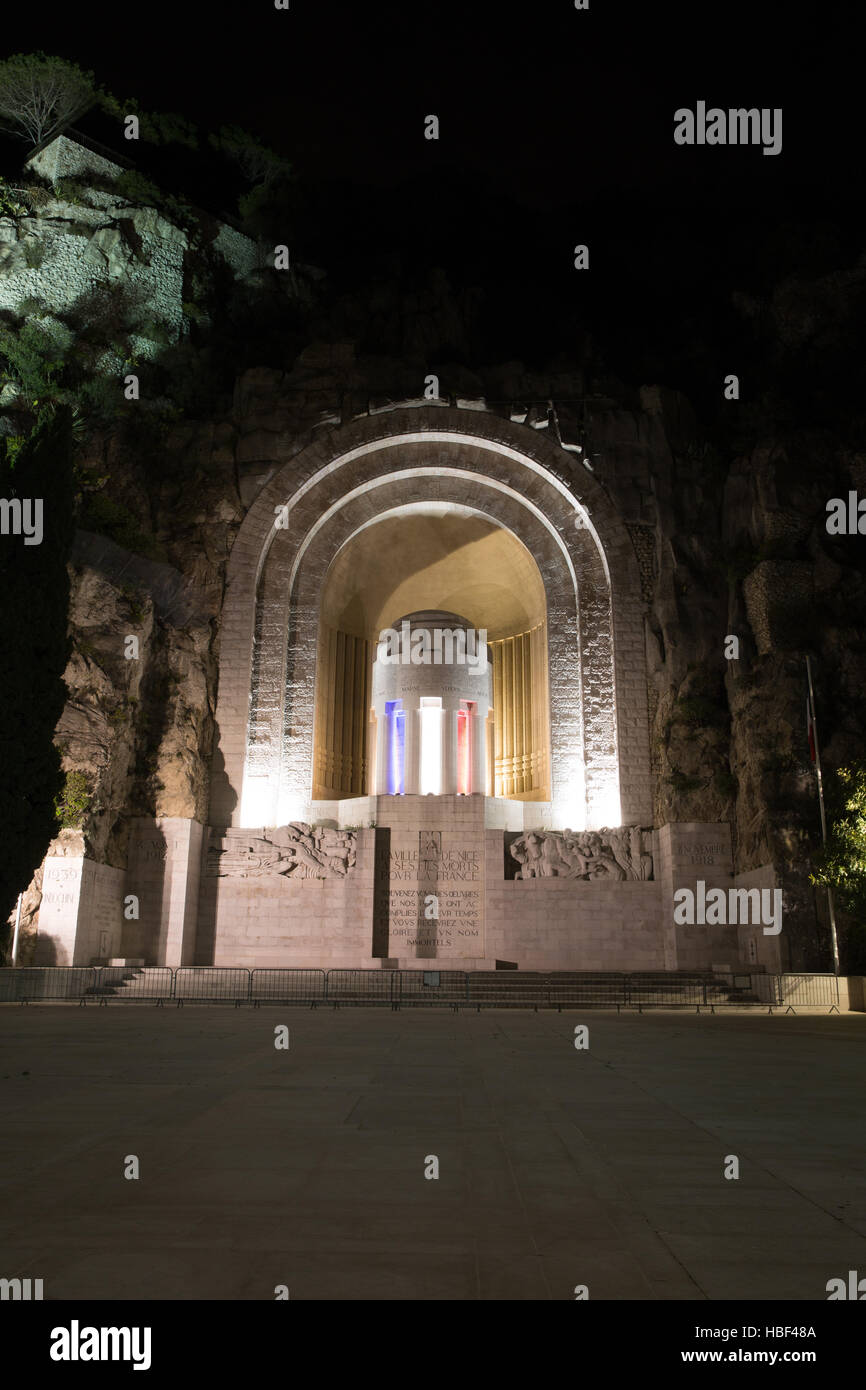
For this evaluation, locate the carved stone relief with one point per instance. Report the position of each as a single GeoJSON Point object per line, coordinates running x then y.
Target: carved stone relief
{"type": "Point", "coordinates": [620, 854]}
{"type": "Point", "coordinates": [296, 851]}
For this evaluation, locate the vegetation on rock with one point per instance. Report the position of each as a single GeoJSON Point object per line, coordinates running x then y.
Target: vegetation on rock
{"type": "Point", "coordinates": [842, 865]}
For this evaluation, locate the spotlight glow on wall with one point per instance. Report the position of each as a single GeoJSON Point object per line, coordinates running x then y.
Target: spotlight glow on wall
{"type": "Point", "coordinates": [257, 802]}
{"type": "Point", "coordinates": [431, 745]}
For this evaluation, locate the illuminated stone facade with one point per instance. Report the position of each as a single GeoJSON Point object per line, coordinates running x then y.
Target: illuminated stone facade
{"type": "Point", "coordinates": [492, 807]}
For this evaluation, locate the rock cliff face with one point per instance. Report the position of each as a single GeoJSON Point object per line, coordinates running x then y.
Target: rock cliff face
{"type": "Point", "coordinates": [730, 539]}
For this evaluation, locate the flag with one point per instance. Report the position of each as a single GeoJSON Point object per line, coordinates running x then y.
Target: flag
{"type": "Point", "coordinates": [810, 728]}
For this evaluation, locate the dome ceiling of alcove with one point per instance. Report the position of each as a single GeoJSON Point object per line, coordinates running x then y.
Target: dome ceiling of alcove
{"type": "Point", "coordinates": [433, 556]}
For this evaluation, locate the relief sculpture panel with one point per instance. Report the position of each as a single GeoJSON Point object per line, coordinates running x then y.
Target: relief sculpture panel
{"type": "Point", "coordinates": [295, 851]}
{"type": "Point", "coordinates": [625, 853]}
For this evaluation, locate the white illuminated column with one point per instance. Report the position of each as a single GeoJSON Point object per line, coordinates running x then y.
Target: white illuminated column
{"type": "Point", "coordinates": [430, 719]}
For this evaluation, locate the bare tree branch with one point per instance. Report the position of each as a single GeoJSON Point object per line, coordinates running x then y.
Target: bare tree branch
{"type": "Point", "coordinates": [41, 96]}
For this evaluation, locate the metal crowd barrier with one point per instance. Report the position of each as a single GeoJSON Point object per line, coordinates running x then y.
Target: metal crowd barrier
{"type": "Point", "coordinates": [362, 987]}
{"type": "Point", "coordinates": [212, 984]}
{"type": "Point", "coordinates": [287, 986]}
{"type": "Point", "coordinates": [501, 989]}
{"type": "Point", "coordinates": [812, 991]}
{"type": "Point", "coordinates": [152, 983]}
{"type": "Point", "coordinates": [418, 988]}
{"type": "Point", "coordinates": [603, 989]}
{"type": "Point", "coordinates": [24, 983]}
{"type": "Point", "coordinates": [507, 989]}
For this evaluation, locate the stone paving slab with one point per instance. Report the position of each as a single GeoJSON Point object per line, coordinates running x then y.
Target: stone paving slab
{"type": "Point", "coordinates": [305, 1167]}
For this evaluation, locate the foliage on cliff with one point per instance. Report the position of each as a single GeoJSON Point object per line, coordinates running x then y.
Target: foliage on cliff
{"type": "Point", "coordinates": [842, 865]}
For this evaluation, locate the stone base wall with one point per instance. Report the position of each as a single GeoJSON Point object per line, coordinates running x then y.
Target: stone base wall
{"type": "Point", "coordinates": [271, 920]}
{"type": "Point", "coordinates": [235, 908]}
{"type": "Point", "coordinates": [557, 924]}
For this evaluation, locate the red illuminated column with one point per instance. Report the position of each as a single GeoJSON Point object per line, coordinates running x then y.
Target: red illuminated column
{"type": "Point", "coordinates": [464, 753]}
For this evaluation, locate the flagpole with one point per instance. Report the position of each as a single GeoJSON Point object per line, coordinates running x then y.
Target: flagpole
{"type": "Point", "coordinates": [814, 722]}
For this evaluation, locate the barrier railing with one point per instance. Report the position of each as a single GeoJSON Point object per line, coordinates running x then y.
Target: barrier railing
{"type": "Point", "coordinates": [507, 989]}
{"type": "Point", "coordinates": [153, 983]}
{"type": "Point", "coordinates": [456, 989]}
{"type": "Point", "coordinates": [595, 990]}
{"type": "Point", "coordinates": [46, 982]}
{"type": "Point", "coordinates": [418, 988]}
{"type": "Point", "coordinates": [812, 991]}
{"type": "Point", "coordinates": [363, 987]}
{"type": "Point", "coordinates": [212, 984]}
{"type": "Point", "coordinates": [284, 985]}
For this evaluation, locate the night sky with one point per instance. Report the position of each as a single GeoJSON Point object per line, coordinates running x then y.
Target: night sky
{"type": "Point", "coordinates": [556, 128]}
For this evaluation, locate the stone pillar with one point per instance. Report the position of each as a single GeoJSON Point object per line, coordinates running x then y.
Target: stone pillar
{"type": "Point", "coordinates": [690, 852]}
{"type": "Point", "coordinates": [81, 913]}
{"type": "Point", "coordinates": [164, 873]}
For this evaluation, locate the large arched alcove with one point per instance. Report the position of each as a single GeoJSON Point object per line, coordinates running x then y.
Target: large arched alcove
{"type": "Point", "coordinates": [522, 484]}
{"type": "Point", "coordinates": [420, 556]}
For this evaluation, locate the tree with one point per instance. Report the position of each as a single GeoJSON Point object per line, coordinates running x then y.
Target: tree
{"type": "Point", "coordinates": [40, 96]}
{"type": "Point", "coordinates": [842, 865]}
{"type": "Point", "coordinates": [34, 582]}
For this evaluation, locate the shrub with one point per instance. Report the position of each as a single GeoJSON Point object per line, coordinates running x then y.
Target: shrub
{"type": "Point", "coordinates": [73, 803]}
{"type": "Point", "coordinates": [71, 190]}
{"type": "Point", "coordinates": [10, 201]}
{"type": "Point", "coordinates": [135, 188]}
{"type": "Point", "coordinates": [31, 360]}
{"type": "Point", "coordinates": [841, 865]}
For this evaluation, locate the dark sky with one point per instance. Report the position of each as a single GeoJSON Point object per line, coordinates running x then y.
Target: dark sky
{"type": "Point", "coordinates": [537, 98]}
{"type": "Point", "coordinates": [556, 128]}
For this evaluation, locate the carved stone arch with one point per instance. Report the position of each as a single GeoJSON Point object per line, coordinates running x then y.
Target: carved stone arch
{"type": "Point", "coordinates": [526, 484]}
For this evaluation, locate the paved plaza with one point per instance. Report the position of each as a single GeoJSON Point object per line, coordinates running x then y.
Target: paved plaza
{"type": "Point", "coordinates": [305, 1167]}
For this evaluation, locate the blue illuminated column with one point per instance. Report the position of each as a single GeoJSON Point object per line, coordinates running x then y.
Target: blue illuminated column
{"type": "Point", "coordinates": [395, 717]}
